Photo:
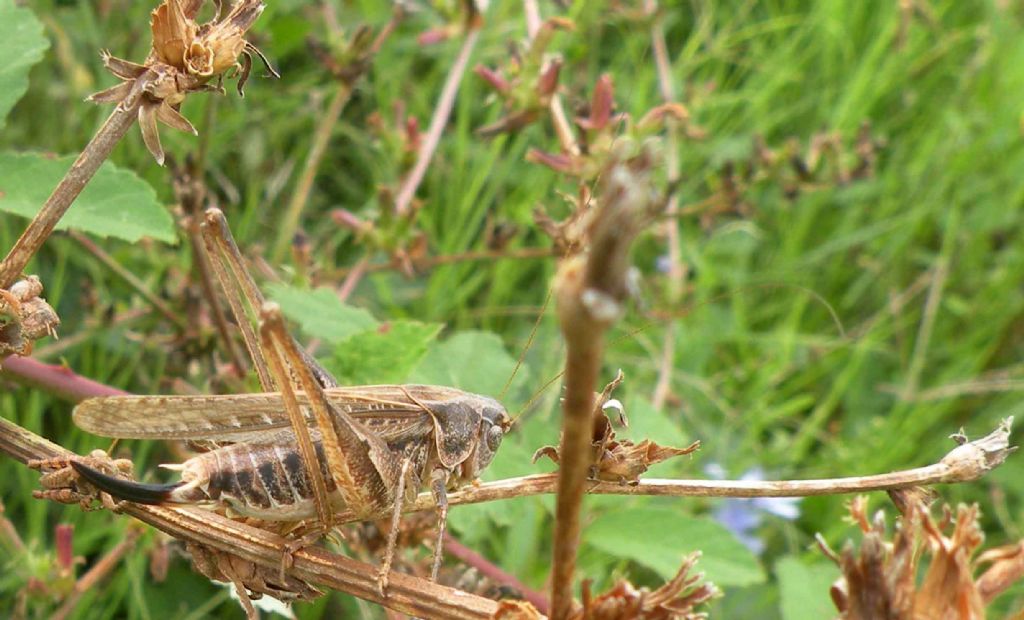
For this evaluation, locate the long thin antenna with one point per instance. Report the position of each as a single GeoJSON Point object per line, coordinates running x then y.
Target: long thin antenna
{"type": "Point", "coordinates": [529, 343]}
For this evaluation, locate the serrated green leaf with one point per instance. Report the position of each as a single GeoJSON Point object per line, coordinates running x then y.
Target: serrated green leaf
{"type": "Point", "coordinates": [115, 203]}
{"type": "Point", "coordinates": [386, 354]}
{"type": "Point", "coordinates": [658, 538]}
{"type": "Point", "coordinates": [320, 313]}
{"type": "Point", "coordinates": [474, 361]}
{"type": "Point", "coordinates": [804, 588]}
{"type": "Point", "coordinates": [21, 45]}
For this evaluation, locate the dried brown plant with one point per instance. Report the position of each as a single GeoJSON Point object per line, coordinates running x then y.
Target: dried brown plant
{"type": "Point", "coordinates": [926, 570]}
{"type": "Point", "coordinates": [24, 317]}
{"type": "Point", "coordinates": [184, 58]}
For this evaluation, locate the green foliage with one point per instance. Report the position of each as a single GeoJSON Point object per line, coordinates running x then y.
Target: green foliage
{"type": "Point", "coordinates": [116, 203]}
{"type": "Point", "coordinates": [659, 538]}
{"type": "Point", "coordinates": [319, 313]}
{"type": "Point", "coordinates": [804, 588]}
{"type": "Point", "coordinates": [21, 45]}
{"type": "Point", "coordinates": [471, 360]}
{"type": "Point", "coordinates": [385, 354]}
{"type": "Point", "coordinates": [832, 329]}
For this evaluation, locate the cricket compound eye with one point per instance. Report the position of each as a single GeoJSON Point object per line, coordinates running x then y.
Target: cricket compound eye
{"type": "Point", "coordinates": [494, 435]}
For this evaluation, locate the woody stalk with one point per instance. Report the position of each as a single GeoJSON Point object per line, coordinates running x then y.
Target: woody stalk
{"type": "Point", "coordinates": [186, 57]}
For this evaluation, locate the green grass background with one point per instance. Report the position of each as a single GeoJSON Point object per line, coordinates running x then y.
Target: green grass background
{"type": "Point", "coordinates": [764, 375]}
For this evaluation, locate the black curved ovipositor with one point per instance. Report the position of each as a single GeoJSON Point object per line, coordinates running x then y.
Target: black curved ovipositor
{"type": "Point", "coordinates": [138, 492]}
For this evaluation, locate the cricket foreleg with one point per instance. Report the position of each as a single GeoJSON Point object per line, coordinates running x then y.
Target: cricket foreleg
{"type": "Point", "coordinates": [396, 518]}
{"type": "Point", "coordinates": [438, 487]}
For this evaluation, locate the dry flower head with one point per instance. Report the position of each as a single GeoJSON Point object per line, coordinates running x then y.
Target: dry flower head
{"type": "Point", "coordinates": [185, 57]}
{"type": "Point", "coordinates": [617, 460]}
{"type": "Point", "coordinates": [886, 578]}
{"type": "Point", "coordinates": [24, 317]}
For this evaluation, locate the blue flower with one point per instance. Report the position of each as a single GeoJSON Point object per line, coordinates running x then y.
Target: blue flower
{"type": "Point", "coordinates": [744, 516]}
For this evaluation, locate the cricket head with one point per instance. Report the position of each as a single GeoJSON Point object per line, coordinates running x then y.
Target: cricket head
{"type": "Point", "coordinates": [494, 423]}
{"type": "Point", "coordinates": [469, 429]}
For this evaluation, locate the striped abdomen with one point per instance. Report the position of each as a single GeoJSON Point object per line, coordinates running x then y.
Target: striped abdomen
{"type": "Point", "coordinates": [265, 481]}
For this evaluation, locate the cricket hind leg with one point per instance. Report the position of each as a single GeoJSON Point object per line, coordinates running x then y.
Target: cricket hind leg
{"type": "Point", "coordinates": [365, 472]}
{"type": "Point", "coordinates": [245, 299]}
{"type": "Point", "coordinates": [280, 363]}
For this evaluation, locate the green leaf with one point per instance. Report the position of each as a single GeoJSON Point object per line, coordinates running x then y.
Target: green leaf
{"type": "Point", "coordinates": [116, 203]}
{"type": "Point", "coordinates": [21, 45]}
{"type": "Point", "coordinates": [474, 361]}
{"type": "Point", "coordinates": [804, 588]}
{"type": "Point", "coordinates": [320, 313]}
{"type": "Point", "coordinates": [658, 538]}
{"type": "Point", "coordinates": [386, 354]}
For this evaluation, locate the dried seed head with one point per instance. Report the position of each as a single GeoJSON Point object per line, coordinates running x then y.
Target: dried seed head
{"type": "Point", "coordinates": [173, 33]}
{"type": "Point", "coordinates": [184, 58]}
{"type": "Point", "coordinates": [218, 45]}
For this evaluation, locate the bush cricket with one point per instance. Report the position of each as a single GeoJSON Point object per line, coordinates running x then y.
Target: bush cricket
{"type": "Point", "coordinates": [305, 448]}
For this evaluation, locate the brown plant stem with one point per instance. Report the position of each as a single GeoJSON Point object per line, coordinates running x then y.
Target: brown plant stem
{"type": "Point", "coordinates": [406, 594]}
{"type": "Point", "coordinates": [69, 187]}
{"type": "Point", "coordinates": [471, 558]}
{"type": "Point", "coordinates": [140, 286]}
{"type": "Point", "coordinates": [403, 200]}
{"type": "Point", "coordinates": [590, 289]}
{"type": "Point", "coordinates": [585, 348]}
{"type": "Point", "coordinates": [956, 467]}
{"type": "Point", "coordinates": [94, 575]}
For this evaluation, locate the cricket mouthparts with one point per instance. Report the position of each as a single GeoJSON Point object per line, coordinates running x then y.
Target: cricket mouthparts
{"type": "Point", "coordinates": [137, 492]}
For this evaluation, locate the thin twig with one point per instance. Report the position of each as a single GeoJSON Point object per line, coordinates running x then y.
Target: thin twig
{"type": "Point", "coordinates": [10, 533]}
{"type": "Point", "coordinates": [964, 463]}
{"type": "Point", "coordinates": [129, 277]}
{"type": "Point", "coordinates": [429, 262]}
{"type": "Point", "coordinates": [924, 333]}
{"type": "Point", "coordinates": [60, 381]}
{"type": "Point", "coordinates": [304, 186]}
{"type": "Point", "coordinates": [676, 269]}
{"type": "Point", "coordinates": [94, 575]}
{"type": "Point", "coordinates": [352, 279]}
{"type": "Point", "coordinates": [403, 200]}
{"type": "Point", "coordinates": [86, 165]}
{"type": "Point", "coordinates": [488, 569]}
